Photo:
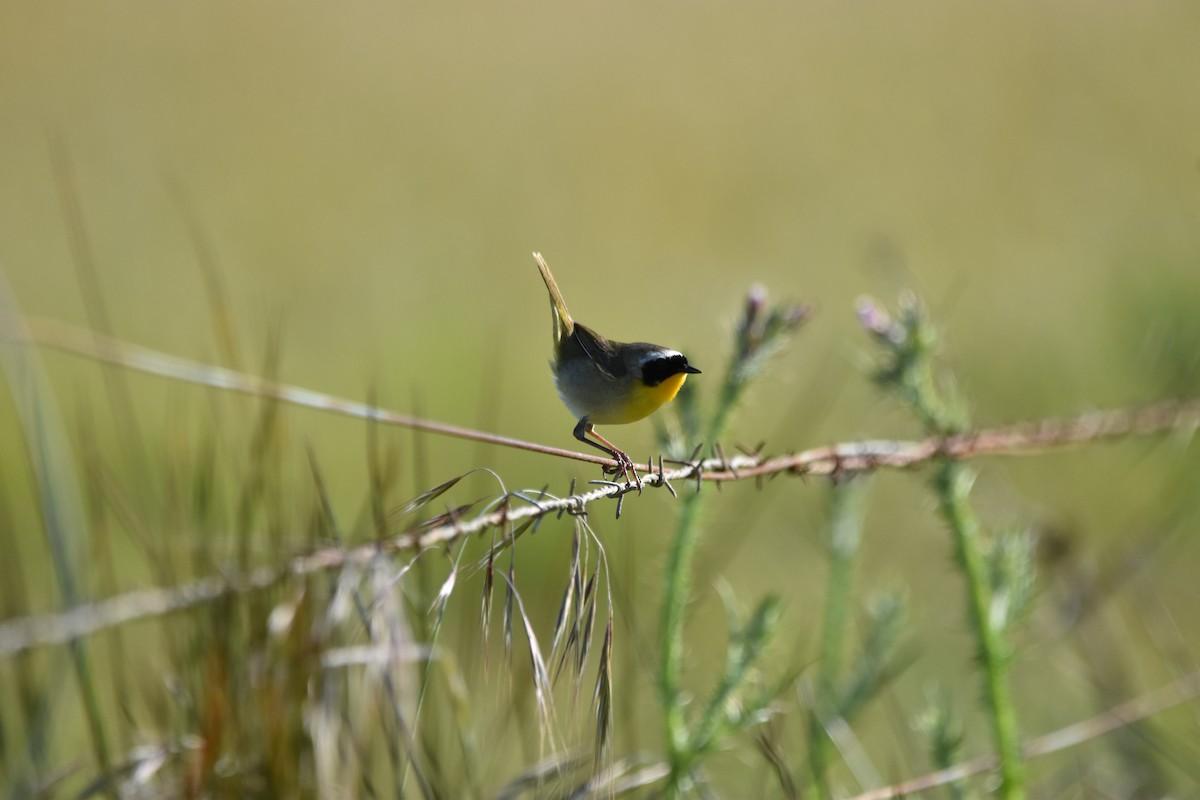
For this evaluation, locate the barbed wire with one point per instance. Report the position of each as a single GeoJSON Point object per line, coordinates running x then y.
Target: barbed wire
{"type": "Point", "coordinates": [25, 633]}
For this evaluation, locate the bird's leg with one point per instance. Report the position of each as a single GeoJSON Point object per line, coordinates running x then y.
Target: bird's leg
{"type": "Point", "coordinates": [624, 466]}
{"type": "Point", "coordinates": [624, 462]}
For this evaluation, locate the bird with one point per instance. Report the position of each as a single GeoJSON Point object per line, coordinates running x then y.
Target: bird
{"type": "Point", "coordinates": [603, 382]}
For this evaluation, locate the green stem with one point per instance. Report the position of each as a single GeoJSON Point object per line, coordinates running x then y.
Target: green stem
{"type": "Point", "coordinates": [844, 535]}
{"type": "Point", "coordinates": [910, 343]}
{"type": "Point", "coordinates": [953, 484]}
{"type": "Point", "coordinates": [941, 415]}
{"type": "Point", "coordinates": [760, 332]}
{"type": "Point", "coordinates": [676, 591]}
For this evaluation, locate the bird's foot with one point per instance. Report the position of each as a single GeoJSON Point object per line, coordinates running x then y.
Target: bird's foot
{"type": "Point", "coordinates": [625, 468]}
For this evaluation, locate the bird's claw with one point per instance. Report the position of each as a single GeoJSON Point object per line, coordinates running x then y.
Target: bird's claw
{"type": "Point", "coordinates": [625, 468]}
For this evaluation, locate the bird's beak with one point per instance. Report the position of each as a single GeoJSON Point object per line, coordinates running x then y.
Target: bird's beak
{"type": "Point", "coordinates": [690, 370]}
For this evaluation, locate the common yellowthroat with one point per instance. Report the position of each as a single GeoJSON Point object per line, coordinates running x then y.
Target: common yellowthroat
{"type": "Point", "coordinates": [603, 382]}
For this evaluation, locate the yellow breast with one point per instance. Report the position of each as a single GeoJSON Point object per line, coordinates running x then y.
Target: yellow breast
{"type": "Point", "coordinates": [643, 401]}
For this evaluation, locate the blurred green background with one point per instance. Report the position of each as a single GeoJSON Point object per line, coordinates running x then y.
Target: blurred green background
{"type": "Point", "coordinates": [372, 179]}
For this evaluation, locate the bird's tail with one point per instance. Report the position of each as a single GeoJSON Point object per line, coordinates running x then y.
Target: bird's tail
{"type": "Point", "coordinates": [563, 324]}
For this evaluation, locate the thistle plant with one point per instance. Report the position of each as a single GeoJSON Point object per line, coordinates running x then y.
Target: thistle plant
{"type": "Point", "coordinates": [844, 687]}
{"type": "Point", "coordinates": [760, 333]}
{"type": "Point", "coordinates": [997, 585]}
